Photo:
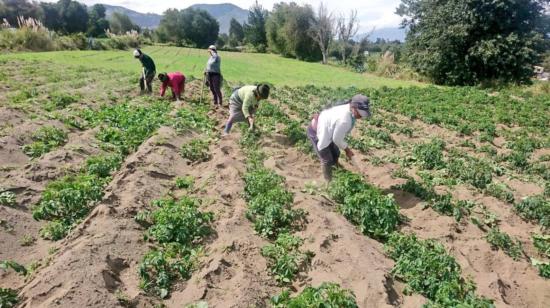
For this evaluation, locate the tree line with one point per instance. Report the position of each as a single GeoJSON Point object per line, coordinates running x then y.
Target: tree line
{"type": "Point", "coordinates": [454, 42]}
{"type": "Point", "coordinates": [67, 17]}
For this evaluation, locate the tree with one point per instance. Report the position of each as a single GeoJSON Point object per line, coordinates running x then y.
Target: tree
{"type": "Point", "coordinates": [51, 17]}
{"type": "Point", "coordinates": [188, 27]}
{"type": "Point", "coordinates": [322, 30]}
{"type": "Point", "coordinates": [11, 9]}
{"type": "Point", "coordinates": [287, 28]}
{"type": "Point", "coordinates": [346, 30]}
{"type": "Point", "coordinates": [120, 23]}
{"type": "Point", "coordinates": [73, 16]}
{"type": "Point", "coordinates": [254, 29]}
{"type": "Point", "coordinates": [97, 24]}
{"type": "Point", "coordinates": [464, 42]}
{"type": "Point", "coordinates": [236, 33]}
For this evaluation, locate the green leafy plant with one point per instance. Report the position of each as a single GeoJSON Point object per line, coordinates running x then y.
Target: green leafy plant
{"type": "Point", "coordinates": [179, 227]}
{"type": "Point", "coordinates": [542, 243]}
{"type": "Point", "coordinates": [195, 119]}
{"type": "Point", "coordinates": [103, 165]}
{"type": "Point", "coordinates": [195, 150]}
{"type": "Point", "coordinates": [429, 270]}
{"type": "Point", "coordinates": [376, 214]}
{"type": "Point", "coordinates": [535, 208]}
{"type": "Point", "coordinates": [430, 155]}
{"type": "Point", "coordinates": [185, 182]}
{"type": "Point", "coordinates": [60, 100]}
{"type": "Point", "coordinates": [501, 240]}
{"type": "Point", "coordinates": [18, 268]}
{"type": "Point", "coordinates": [500, 191]}
{"type": "Point", "coordinates": [66, 201]}
{"type": "Point", "coordinates": [8, 298]}
{"type": "Point", "coordinates": [7, 198]}
{"type": "Point", "coordinates": [328, 294]}
{"type": "Point", "coordinates": [285, 258]}
{"type": "Point", "coordinates": [46, 138]}
{"type": "Point", "coordinates": [470, 170]}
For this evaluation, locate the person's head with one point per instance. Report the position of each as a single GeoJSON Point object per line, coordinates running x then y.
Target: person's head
{"type": "Point", "coordinates": [360, 106]}
{"type": "Point", "coordinates": [212, 49]}
{"type": "Point", "coordinates": [163, 77]}
{"type": "Point", "coordinates": [137, 53]}
{"type": "Point", "coordinates": [262, 91]}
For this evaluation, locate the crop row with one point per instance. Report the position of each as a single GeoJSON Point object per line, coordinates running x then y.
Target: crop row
{"type": "Point", "coordinates": [270, 210]}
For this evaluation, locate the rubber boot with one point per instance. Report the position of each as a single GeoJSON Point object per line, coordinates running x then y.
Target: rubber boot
{"type": "Point", "coordinates": [327, 172]}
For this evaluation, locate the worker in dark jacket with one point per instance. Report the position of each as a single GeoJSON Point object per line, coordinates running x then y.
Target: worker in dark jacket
{"type": "Point", "coordinates": [148, 72]}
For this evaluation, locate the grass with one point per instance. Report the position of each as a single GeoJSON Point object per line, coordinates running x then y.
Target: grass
{"type": "Point", "coordinates": [237, 67]}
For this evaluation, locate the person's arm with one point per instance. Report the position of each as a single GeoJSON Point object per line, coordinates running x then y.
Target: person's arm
{"type": "Point", "coordinates": [248, 101]}
{"type": "Point", "coordinates": [339, 135]}
{"type": "Point", "coordinates": [163, 88]}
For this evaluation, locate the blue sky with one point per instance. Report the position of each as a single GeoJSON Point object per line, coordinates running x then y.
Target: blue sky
{"type": "Point", "coordinates": [372, 13]}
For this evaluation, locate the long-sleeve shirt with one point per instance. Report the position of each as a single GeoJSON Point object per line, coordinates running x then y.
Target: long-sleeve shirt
{"type": "Point", "coordinates": [176, 81]}
{"type": "Point", "coordinates": [247, 96]}
{"type": "Point", "coordinates": [148, 64]}
{"type": "Point", "coordinates": [333, 125]}
{"type": "Point", "coordinates": [214, 63]}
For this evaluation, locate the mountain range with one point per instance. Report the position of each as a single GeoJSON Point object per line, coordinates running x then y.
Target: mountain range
{"type": "Point", "coordinates": [224, 12]}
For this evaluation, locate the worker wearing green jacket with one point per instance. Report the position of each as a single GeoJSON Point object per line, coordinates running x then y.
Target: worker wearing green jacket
{"type": "Point", "coordinates": [148, 72]}
{"type": "Point", "coordinates": [243, 103]}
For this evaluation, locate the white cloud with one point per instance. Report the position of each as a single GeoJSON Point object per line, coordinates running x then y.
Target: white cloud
{"type": "Point", "coordinates": [372, 13]}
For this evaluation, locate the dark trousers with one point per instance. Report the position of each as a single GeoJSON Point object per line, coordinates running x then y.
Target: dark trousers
{"type": "Point", "coordinates": [328, 156]}
{"type": "Point", "coordinates": [215, 83]}
{"type": "Point", "coordinates": [149, 78]}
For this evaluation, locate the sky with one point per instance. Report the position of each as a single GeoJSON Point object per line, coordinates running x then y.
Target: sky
{"type": "Point", "coordinates": [372, 13]}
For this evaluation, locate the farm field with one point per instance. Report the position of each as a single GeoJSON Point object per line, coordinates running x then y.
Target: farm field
{"type": "Point", "coordinates": [243, 67]}
{"type": "Point", "coordinates": [111, 199]}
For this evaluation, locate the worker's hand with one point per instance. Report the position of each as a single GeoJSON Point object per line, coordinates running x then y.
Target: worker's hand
{"type": "Point", "coordinates": [349, 153]}
{"type": "Point", "coordinates": [250, 123]}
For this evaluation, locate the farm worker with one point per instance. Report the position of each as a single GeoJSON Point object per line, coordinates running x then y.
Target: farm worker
{"type": "Point", "coordinates": [328, 130]}
{"type": "Point", "coordinates": [176, 82]}
{"type": "Point", "coordinates": [243, 103]}
{"type": "Point", "coordinates": [148, 73]}
{"type": "Point", "coordinates": [214, 75]}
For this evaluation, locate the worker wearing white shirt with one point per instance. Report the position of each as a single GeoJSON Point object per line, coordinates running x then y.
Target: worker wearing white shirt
{"type": "Point", "coordinates": [327, 131]}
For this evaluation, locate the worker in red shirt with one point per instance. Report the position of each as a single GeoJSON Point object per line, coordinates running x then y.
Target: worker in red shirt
{"type": "Point", "coordinates": [176, 82]}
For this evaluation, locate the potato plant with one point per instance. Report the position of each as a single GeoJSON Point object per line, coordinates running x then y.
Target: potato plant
{"type": "Point", "coordinates": [285, 259]}
{"type": "Point", "coordinates": [196, 150]}
{"type": "Point", "coordinates": [178, 227]}
{"type": "Point", "coordinates": [535, 208]}
{"type": "Point", "coordinates": [376, 214]}
{"type": "Point", "coordinates": [8, 298]}
{"type": "Point", "coordinates": [429, 270]}
{"type": "Point", "coordinates": [45, 139]}
{"type": "Point", "coordinates": [501, 240]}
{"type": "Point", "coordinates": [328, 294]}
{"type": "Point", "coordinates": [7, 198]}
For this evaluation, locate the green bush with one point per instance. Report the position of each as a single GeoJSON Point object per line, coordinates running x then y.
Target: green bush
{"type": "Point", "coordinates": [476, 172]}
{"type": "Point", "coordinates": [103, 165]}
{"type": "Point", "coordinates": [500, 191]}
{"type": "Point", "coordinates": [326, 295]}
{"type": "Point", "coordinates": [185, 182]}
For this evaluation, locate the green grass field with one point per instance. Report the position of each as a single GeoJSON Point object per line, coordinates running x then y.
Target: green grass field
{"type": "Point", "coordinates": [236, 67]}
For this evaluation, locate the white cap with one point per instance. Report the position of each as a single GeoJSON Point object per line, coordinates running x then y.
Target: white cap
{"type": "Point", "coordinates": [136, 53]}
{"type": "Point", "coordinates": [213, 47]}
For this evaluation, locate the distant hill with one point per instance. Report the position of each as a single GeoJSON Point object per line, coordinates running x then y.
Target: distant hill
{"type": "Point", "coordinates": [144, 20]}
{"type": "Point", "coordinates": [222, 12]}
